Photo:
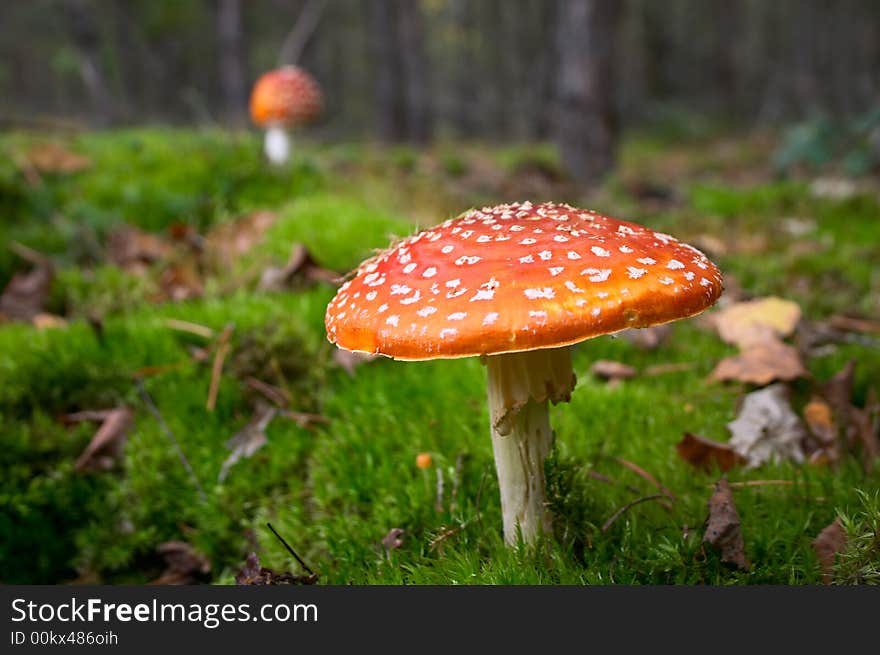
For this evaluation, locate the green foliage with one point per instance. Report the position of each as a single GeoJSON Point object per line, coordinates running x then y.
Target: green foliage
{"type": "Point", "coordinates": [859, 562]}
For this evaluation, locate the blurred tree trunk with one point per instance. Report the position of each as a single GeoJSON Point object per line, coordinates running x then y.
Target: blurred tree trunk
{"type": "Point", "coordinates": [80, 22]}
{"type": "Point", "coordinates": [390, 119]}
{"type": "Point", "coordinates": [586, 129]}
{"type": "Point", "coordinates": [231, 60]}
{"type": "Point", "coordinates": [416, 71]}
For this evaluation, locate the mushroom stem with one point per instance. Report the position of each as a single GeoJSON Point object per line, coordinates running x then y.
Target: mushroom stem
{"type": "Point", "coordinates": [520, 387]}
{"type": "Point", "coordinates": [277, 145]}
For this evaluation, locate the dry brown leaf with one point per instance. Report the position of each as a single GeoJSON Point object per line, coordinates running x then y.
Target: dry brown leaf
{"type": "Point", "coordinates": [766, 428]}
{"type": "Point", "coordinates": [54, 158]}
{"type": "Point", "coordinates": [830, 541]}
{"type": "Point", "coordinates": [254, 574]}
{"type": "Point", "coordinates": [851, 324]}
{"type": "Point", "coordinates": [44, 321]}
{"type": "Point", "coordinates": [134, 250]}
{"type": "Point", "coordinates": [349, 360]}
{"type": "Point", "coordinates": [607, 369]}
{"type": "Point", "coordinates": [761, 363]}
{"type": "Point", "coordinates": [745, 322]}
{"type": "Point", "coordinates": [180, 281]}
{"type": "Point", "coordinates": [106, 446]}
{"type": "Point", "coordinates": [249, 439]}
{"type": "Point", "coordinates": [228, 241]}
{"type": "Point", "coordinates": [183, 564]}
{"type": "Point", "coordinates": [705, 453]}
{"type": "Point", "coordinates": [723, 529]}
{"type": "Point", "coordinates": [300, 265]}
{"type": "Point", "coordinates": [25, 296]}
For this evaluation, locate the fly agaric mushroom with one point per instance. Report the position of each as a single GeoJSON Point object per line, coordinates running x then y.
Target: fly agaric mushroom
{"type": "Point", "coordinates": [518, 284]}
{"type": "Point", "coordinates": [282, 99]}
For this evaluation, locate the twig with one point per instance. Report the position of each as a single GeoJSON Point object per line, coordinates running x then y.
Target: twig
{"type": "Point", "coordinates": [438, 505]}
{"type": "Point", "coordinates": [217, 367]}
{"type": "Point", "coordinates": [296, 40]}
{"type": "Point", "coordinates": [290, 550]}
{"type": "Point", "coordinates": [155, 412]}
{"type": "Point", "coordinates": [192, 328]}
{"type": "Point", "coordinates": [761, 483]}
{"type": "Point", "coordinates": [456, 480]}
{"type": "Point", "coordinates": [638, 470]}
{"type": "Point", "coordinates": [277, 395]}
{"type": "Point", "coordinates": [620, 511]}
{"type": "Point", "coordinates": [302, 419]}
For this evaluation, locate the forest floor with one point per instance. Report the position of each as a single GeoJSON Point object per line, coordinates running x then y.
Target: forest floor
{"type": "Point", "coordinates": [166, 387]}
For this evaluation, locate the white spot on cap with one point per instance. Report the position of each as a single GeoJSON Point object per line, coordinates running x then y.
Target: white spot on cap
{"type": "Point", "coordinates": [409, 268]}
{"type": "Point", "coordinates": [464, 259]}
{"type": "Point", "coordinates": [666, 280]}
{"type": "Point", "coordinates": [425, 312]}
{"type": "Point", "coordinates": [490, 318]}
{"type": "Point", "coordinates": [457, 316]}
{"type": "Point", "coordinates": [545, 255]}
{"type": "Point", "coordinates": [517, 228]}
{"type": "Point", "coordinates": [573, 255]}
{"type": "Point", "coordinates": [596, 311]}
{"type": "Point", "coordinates": [571, 286]}
{"type": "Point", "coordinates": [451, 284]}
{"type": "Point", "coordinates": [704, 282]}
{"type": "Point", "coordinates": [430, 272]}
{"type": "Point", "coordinates": [561, 238]}
{"type": "Point", "coordinates": [556, 270]}
{"type": "Point", "coordinates": [602, 294]}
{"type": "Point", "coordinates": [413, 298]}
{"type": "Point", "coordinates": [447, 249]}
{"type": "Point", "coordinates": [597, 274]}
{"type": "Point", "coordinates": [600, 252]}
{"type": "Point", "coordinates": [399, 289]}
{"type": "Point", "coordinates": [483, 238]}
{"type": "Point", "coordinates": [625, 250]}
{"type": "Point", "coordinates": [689, 275]}
{"type": "Point", "coordinates": [646, 260]}
{"type": "Point", "coordinates": [448, 332]}
{"type": "Point", "coordinates": [674, 265]}
{"type": "Point", "coordinates": [538, 314]}
{"type": "Point", "coordinates": [394, 319]}
{"type": "Point", "coordinates": [371, 295]}
{"type": "Point", "coordinates": [382, 308]}
{"type": "Point", "coordinates": [534, 294]}
{"type": "Point", "coordinates": [625, 229]}
{"type": "Point", "coordinates": [528, 259]}
{"type": "Point", "coordinates": [635, 273]}
{"type": "Point", "coordinates": [528, 241]}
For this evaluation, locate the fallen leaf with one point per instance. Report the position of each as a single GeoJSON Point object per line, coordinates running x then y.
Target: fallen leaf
{"type": "Point", "coordinates": [183, 564]}
{"type": "Point", "coordinates": [827, 545]}
{"type": "Point", "coordinates": [349, 360]}
{"type": "Point", "coordinates": [55, 158]}
{"type": "Point", "coordinates": [300, 265]}
{"type": "Point", "coordinates": [228, 241]}
{"type": "Point", "coordinates": [852, 324]}
{"type": "Point", "coordinates": [745, 322]}
{"type": "Point", "coordinates": [822, 447]}
{"type": "Point", "coordinates": [105, 447]}
{"type": "Point", "coordinates": [134, 250]}
{"type": "Point", "coordinates": [723, 530]}
{"type": "Point", "coordinates": [607, 369]}
{"type": "Point", "coordinates": [180, 281]}
{"type": "Point", "coordinates": [761, 363]}
{"type": "Point", "coordinates": [254, 574]}
{"type": "Point", "coordinates": [393, 540]}
{"type": "Point", "coordinates": [249, 439]}
{"type": "Point", "coordinates": [44, 321]}
{"type": "Point", "coordinates": [25, 295]}
{"type": "Point", "coordinates": [705, 453]}
{"type": "Point", "coordinates": [767, 429]}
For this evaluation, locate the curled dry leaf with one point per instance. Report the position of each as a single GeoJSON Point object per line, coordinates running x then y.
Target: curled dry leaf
{"type": "Point", "coordinates": [611, 370]}
{"type": "Point", "coordinates": [254, 574]}
{"type": "Point", "coordinates": [723, 529]}
{"type": "Point", "coordinates": [54, 158]}
{"type": "Point", "coordinates": [830, 541]}
{"type": "Point", "coordinates": [745, 322]}
{"type": "Point", "coordinates": [705, 453]}
{"type": "Point", "coordinates": [300, 265]}
{"type": "Point", "coordinates": [106, 446]}
{"type": "Point", "coordinates": [134, 250]}
{"type": "Point", "coordinates": [249, 439]}
{"type": "Point", "coordinates": [760, 363]}
{"type": "Point", "coordinates": [183, 564]}
{"type": "Point", "coordinates": [228, 241]}
{"type": "Point", "coordinates": [24, 297]}
{"type": "Point", "coordinates": [766, 428]}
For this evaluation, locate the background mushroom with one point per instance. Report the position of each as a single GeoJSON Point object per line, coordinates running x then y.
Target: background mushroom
{"type": "Point", "coordinates": [282, 99]}
{"type": "Point", "coordinates": [518, 284]}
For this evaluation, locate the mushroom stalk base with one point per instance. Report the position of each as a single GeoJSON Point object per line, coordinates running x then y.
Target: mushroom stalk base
{"type": "Point", "coordinates": [520, 388]}
{"type": "Point", "coordinates": [277, 145]}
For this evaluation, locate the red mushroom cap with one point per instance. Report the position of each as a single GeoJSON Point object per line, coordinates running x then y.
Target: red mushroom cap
{"type": "Point", "coordinates": [517, 277]}
{"type": "Point", "coordinates": [286, 96]}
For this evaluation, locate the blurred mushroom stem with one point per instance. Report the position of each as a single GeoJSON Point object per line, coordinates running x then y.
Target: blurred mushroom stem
{"type": "Point", "coordinates": [520, 387]}
{"type": "Point", "coordinates": [277, 145]}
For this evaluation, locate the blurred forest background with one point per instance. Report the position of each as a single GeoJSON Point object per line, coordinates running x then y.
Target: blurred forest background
{"type": "Point", "coordinates": [415, 70]}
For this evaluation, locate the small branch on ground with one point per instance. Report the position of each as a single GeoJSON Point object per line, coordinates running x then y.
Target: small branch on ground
{"type": "Point", "coordinates": [292, 552]}
{"type": "Point", "coordinates": [217, 367]}
{"type": "Point", "coordinates": [620, 511]}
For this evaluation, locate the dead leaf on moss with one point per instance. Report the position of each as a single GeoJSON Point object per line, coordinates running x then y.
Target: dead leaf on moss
{"type": "Point", "coordinates": [827, 545]}
{"type": "Point", "coordinates": [44, 321]}
{"type": "Point", "coordinates": [607, 369]}
{"type": "Point", "coordinates": [249, 439]}
{"type": "Point", "coordinates": [180, 281]}
{"type": "Point", "coordinates": [183, 564]}
{"type": "Point", "coordinates": [229, 241]}
{"type": "Point", "coordinates": [105, 448]}
{"type": "Point", "coordinates": [852, 324]}
{"type": "Point", "coordinates": [723, 529]}
{"type": "Point", "coordinates": [706, 453]}
{"type": "Point", "coordinates": [134, 250]}
{"type": "Point", "coordinates": [300, 266]}
{"type": "Point", "coordinates": [760, 363]}
{"type": "Point", "coordinates": [54, 158]}
{"type": "Point", "coordinates": [744, 323]}
{"type": "Point", "coordinates": [766, 428]}
{"type": "Point", "coordinates": [26, 294]}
